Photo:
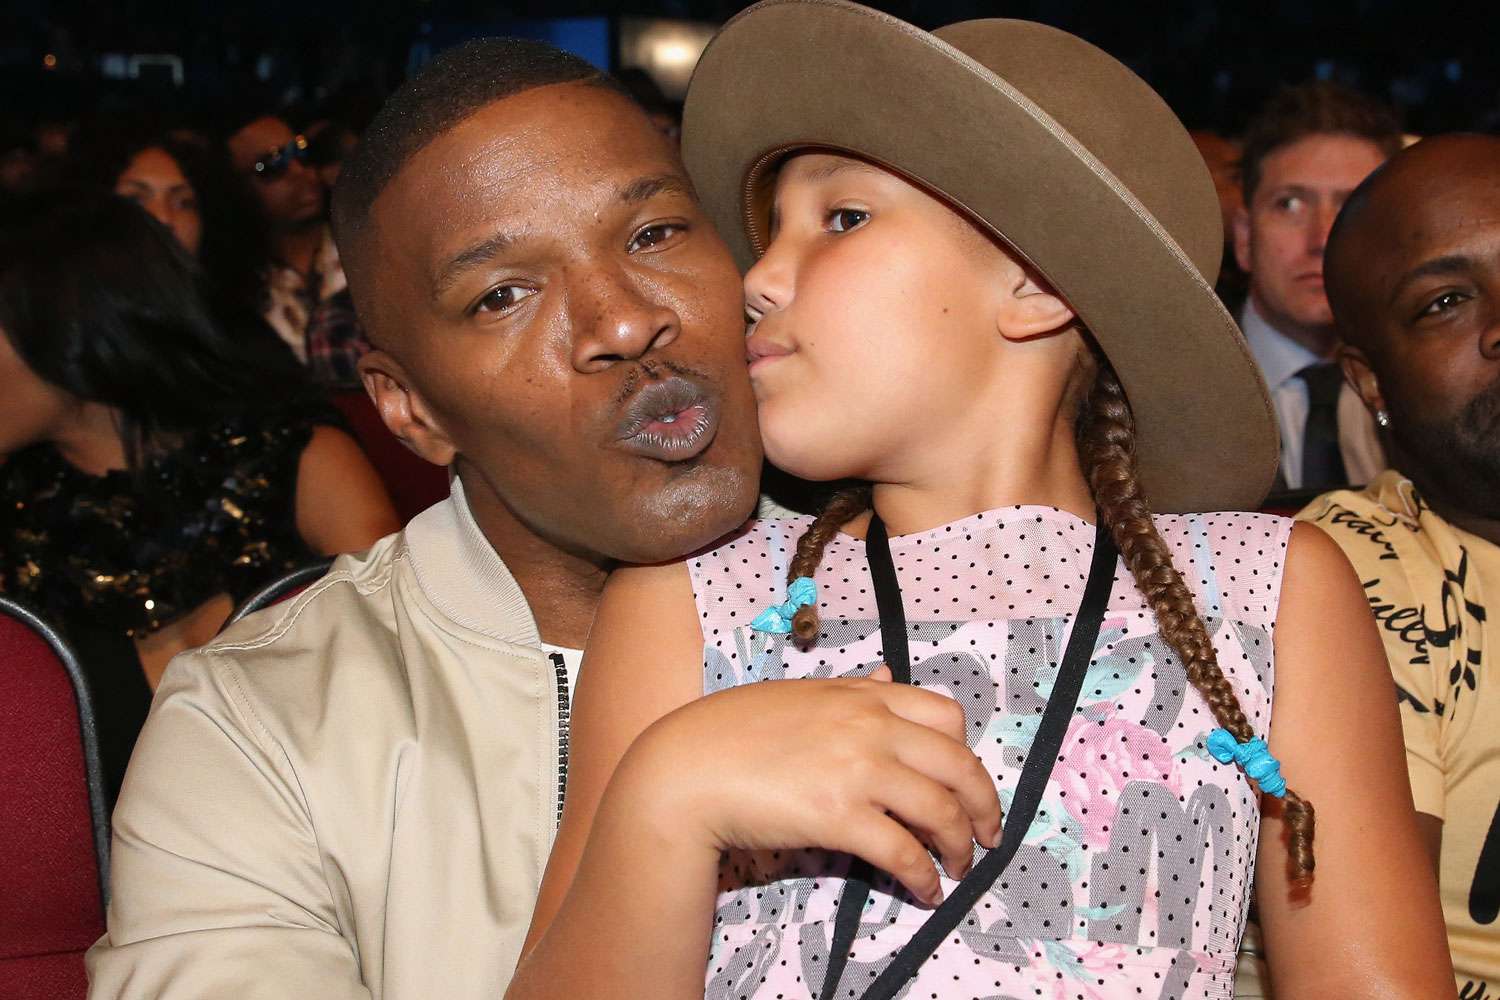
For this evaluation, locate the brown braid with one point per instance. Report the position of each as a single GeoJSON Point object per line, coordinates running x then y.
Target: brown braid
{"type": "Point", "coordinates": [1107, 447]}
{"type": "Point", "coordinates": [841, 508]}
{"type": "Point", "coordinates": [1106, 439]}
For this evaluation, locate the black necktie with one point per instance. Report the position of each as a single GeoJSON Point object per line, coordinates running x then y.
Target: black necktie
{"type": "Point", "coordinates": [1322, 463]}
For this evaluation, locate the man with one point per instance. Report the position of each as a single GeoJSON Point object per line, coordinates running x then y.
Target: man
{"type": "Point", "coordinates": [1303, 153]}
{"type": "Point", "coordinates": [353, 795]}
{"type": "Point", "coordinates": [1414, 278]}
{"type": "Point", "coordinates": [307, 295]}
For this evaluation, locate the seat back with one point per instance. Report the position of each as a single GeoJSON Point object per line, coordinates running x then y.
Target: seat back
{"type": "Point", "coordinates": [279, 590]}
{"type": "Point", "coordinates": [54, 834]}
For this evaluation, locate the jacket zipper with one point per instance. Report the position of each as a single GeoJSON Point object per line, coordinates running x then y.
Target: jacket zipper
{"type": "Point", "coordinates": [564, 711]}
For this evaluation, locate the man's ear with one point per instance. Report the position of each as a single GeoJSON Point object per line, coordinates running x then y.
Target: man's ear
{"type": "Point", "coordinates": [403, 410]}
{"type": "Point", "coordinates": [1030, 308]}
{"type": "Point", "coordinates": [1240, 228]}
{"type": "Point", "coordinates": [1359, 373]}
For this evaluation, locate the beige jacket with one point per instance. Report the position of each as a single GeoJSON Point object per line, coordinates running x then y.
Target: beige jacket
{"type": "Point", "coordinates": [350, 795]}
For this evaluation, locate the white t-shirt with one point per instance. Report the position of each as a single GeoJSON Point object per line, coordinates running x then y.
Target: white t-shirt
{"type": "Point", "coordinates": [572, 658]}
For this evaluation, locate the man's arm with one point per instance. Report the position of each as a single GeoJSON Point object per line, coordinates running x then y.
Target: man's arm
{"type": "Point", "coordinates": [217, 885]}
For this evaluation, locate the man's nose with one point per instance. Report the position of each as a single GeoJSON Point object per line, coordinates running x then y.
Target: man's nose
{"type": "Point", "coordinates": [616, 318]}
{"type": "Point", "coordinates": [1489, 336]}
{"type": "Point", "coordinates": [1319, 226]}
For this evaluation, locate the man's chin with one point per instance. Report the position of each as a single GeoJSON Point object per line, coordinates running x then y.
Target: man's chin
{"type": "Point", "coordinates": [690, 513]}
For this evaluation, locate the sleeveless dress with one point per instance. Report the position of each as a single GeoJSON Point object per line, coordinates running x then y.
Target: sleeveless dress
{"type": "Point", "coordinates": [1133, 880]}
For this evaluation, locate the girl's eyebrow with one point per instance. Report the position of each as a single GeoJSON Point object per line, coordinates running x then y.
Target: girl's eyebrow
{"type": "Point", "coordinates": [837, 166]}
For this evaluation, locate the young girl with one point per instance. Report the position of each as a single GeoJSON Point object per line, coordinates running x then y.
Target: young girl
{"type": "Point", "coordinates": [978, 292]}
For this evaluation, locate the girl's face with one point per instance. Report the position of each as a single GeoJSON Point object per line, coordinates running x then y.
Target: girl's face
{"type": "Point", "coordinates": [155, 181]}
{"type": "Point", "coordinates": [876, 342]}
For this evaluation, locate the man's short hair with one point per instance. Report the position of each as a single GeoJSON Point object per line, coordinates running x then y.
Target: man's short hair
{"type": "Point", "coordinates": [1318, 108]}
{"type": "Point", "coordinates": [452, 87]}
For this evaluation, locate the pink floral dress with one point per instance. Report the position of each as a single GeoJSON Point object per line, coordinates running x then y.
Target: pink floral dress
{"type": "Point", "coordinates": [1133, 879]}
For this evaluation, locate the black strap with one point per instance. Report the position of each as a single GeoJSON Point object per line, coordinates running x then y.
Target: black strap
{"type": "Point", "coordinates": [897, 656]}
{"type": "Point", "coordinates": [1034, 773]}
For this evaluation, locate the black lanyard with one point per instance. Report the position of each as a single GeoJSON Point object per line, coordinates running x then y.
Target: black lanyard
{"type": "Point", "coordinates": [1034, 773]}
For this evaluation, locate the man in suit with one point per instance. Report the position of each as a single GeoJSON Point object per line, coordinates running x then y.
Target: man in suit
{"type": "Point", "coordinates": [1304, 152]}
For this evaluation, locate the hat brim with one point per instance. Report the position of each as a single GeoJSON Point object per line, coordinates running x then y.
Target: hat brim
{"type": "Point", "coordinates": [794, 74]}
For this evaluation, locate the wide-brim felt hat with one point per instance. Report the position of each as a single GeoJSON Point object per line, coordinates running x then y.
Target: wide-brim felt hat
{"type": "Point", "coordinates": [1050, 144]}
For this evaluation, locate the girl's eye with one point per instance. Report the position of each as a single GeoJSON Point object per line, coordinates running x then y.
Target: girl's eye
{"type": "Point", "coordinates": [841, 220]}
{"type": "Point", "coordinates": [1289, 203]}
{"type": "Point", "coordinates": [653, 236]}
{"type": "Point", "coordinates": [1443, 303]}
{"type": "Point", "coordinates": [501, 299]}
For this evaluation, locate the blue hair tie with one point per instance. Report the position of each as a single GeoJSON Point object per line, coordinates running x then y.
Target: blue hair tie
{"type": "Point", "coordinates": [1253, 756]}
{"type": "Point", "coordinates": [778, 618]}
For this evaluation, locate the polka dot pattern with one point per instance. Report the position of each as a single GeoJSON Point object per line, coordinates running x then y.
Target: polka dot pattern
{"type": "Point", "coordinates": [1133, 879]}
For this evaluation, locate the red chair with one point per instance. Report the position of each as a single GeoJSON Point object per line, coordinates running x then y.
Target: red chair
{"type": "Point", "coordinates": [54, 833]}
{"type": "Point", "coordinates": [414, 484]}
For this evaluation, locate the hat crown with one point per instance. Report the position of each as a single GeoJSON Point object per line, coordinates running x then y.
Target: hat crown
{"type": "Point", "coordinates": [1114, 115]}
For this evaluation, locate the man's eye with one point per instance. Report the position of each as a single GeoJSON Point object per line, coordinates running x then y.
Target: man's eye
{"type": "Point", "coordinates": [1289, 203]}
{"type": "Point", "coordinates": [841, 220]}
{"type": "Point", "coordinates": [503, 298]}
{"type": "Point", "coordinates": [1443, 303]}
{"type": "Point", "coordinates": [653, 236]}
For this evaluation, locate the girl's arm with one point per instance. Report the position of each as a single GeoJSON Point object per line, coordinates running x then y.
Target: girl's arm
{"type": "Point", "coordinates": [1370, 924]}
{"type": "Point", "coordinates": [662, 781]}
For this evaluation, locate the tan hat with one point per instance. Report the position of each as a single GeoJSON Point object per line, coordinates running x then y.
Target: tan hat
{"type": "Point", "coordinates": [1052, 145]}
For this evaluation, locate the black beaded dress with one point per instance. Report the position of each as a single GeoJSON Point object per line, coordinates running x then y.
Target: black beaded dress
{"type": "Point", "coordinates": [110, 558]}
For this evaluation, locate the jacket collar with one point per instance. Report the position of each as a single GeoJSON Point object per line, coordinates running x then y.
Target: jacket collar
{"type": "Point", "coordinates": [461, 574]}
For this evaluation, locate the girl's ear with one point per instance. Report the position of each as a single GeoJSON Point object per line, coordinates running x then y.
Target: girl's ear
{"type": "Point", "coordinates": [1029, 308]}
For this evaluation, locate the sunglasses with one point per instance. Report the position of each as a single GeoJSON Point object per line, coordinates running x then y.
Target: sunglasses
{"type": "Point", "coordinates": [278, 161]}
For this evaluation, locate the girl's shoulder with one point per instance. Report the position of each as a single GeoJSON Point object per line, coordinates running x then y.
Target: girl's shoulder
{"type": "Point", "coordinates": [1232, 560]}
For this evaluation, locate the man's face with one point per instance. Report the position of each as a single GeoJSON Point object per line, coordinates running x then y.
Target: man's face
{"type": "Point", "coordinates": [561, 305]}
{"type": "Point", "coordinates": [1279, 238]}
{"type": "Point", "coordinates": [1422, 275]}
{"type": "Point", "coordinates": [289, 191]}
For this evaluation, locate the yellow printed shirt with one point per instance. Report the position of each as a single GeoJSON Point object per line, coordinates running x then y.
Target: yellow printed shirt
{"type": "Point", "coordinates": [1428, 583]}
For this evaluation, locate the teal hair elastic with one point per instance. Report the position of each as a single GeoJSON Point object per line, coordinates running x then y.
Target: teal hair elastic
{"type": "Point", "coordinates": [777, 619]}
{"type": "Point", "coordinates": [1253, 756]}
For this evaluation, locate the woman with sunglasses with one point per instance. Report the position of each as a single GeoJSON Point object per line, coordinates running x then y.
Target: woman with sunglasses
{"type": "Point", "coordinates": [307, 296]}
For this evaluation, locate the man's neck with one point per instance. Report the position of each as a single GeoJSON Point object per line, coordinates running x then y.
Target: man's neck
{"type": "Point", "coordinates": [1456, 514]}
{"type": "Point", "coordinates": [1317, 338]}
{"type": "Point", "coordinates": [562, 587]}
{"type": "Point", "coordinates": [297, 248]}
{"type": "Point", "coordinates": [1439, 499]}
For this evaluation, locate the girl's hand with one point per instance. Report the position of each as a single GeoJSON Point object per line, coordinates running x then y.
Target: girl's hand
{"type": "Point", "coordinates": [861, 766]}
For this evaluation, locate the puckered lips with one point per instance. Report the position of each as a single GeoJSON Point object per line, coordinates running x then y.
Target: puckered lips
{"type": "Point", "coordinates": [673, 420]}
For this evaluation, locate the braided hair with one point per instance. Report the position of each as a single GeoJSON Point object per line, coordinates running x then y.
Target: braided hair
{"type": "Point", "coordinates": [1106, 439]}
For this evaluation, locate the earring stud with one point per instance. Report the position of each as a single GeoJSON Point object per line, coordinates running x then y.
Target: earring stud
{"type": "Point", "coordinates": [1382, 418]}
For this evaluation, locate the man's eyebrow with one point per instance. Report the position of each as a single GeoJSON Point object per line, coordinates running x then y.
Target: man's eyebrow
{"type": "Point", "coordinates": [645, 188]}
{"type": "Point", "coordinates": [468, 259]}
{"type": "Point", "coordinates": [1436, 267]}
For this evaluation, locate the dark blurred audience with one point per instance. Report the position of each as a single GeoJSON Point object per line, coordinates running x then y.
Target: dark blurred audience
{"type": "Point", "coordinates": [1303, 153]}
{"type": "Point", "coordinates": [307, 295]}
{"type": "Point", "coordinates": [1223, 158]}
{"type": "Point", "coordinates": [188, 187]}
{"type": "Point", "coordinates": [1414, 278]}
{"type": "Point", "coordinates": [156, 470]}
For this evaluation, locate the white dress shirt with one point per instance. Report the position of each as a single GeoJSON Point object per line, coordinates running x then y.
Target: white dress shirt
{"type": "Point", "coordinates": [1280, 359]}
